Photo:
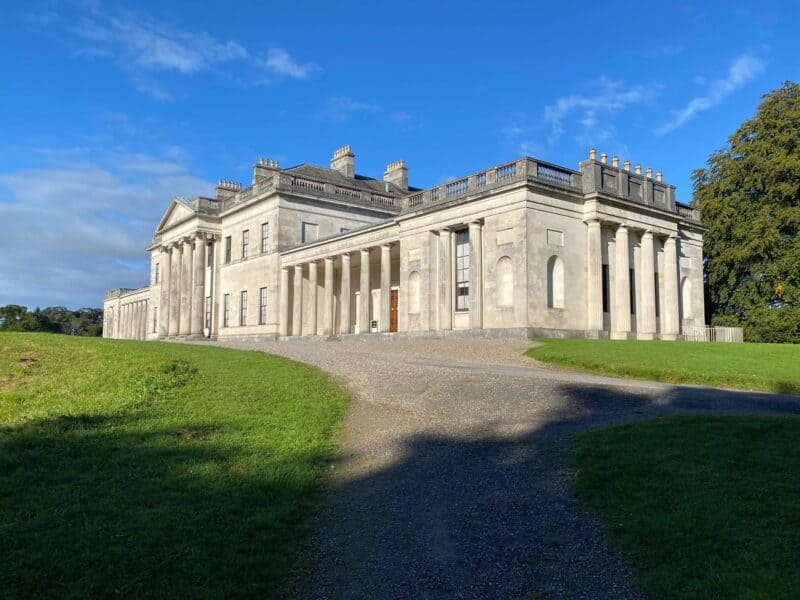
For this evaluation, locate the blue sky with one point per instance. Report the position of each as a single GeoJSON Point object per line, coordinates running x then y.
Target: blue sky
{"type": "Point", "coordinates": [106, 111]}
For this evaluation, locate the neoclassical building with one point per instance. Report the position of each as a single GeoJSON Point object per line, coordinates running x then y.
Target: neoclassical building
{"type": "Point", "coordinates": [524, 248]}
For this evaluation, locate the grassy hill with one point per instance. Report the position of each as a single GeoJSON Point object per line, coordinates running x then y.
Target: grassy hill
{"type": "Point", "coordinates": [132, 468]}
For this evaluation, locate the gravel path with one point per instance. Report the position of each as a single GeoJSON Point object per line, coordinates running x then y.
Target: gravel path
{"type": "Point", "coordinates": [452, 480]}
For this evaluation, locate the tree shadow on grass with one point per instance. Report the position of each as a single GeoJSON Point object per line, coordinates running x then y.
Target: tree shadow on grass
{"type": "Point", "coordinates": [105, 505]}
{"type": "Point", "coordinates": [488, 513]}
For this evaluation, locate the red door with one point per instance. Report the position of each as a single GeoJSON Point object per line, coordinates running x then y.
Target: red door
{"type": "Point", "coordinates": [393, 312]}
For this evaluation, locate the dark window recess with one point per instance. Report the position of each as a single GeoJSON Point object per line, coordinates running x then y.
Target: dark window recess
{"type": "Point", "coordinates": [633, 290]}
{"type": "Point", "coordinates": [606, 297]}
{"type": "Point", "coordinates": [658, 298]}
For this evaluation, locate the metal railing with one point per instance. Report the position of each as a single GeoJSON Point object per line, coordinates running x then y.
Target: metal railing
{"type": "Point", "coordinates": [698, 333]}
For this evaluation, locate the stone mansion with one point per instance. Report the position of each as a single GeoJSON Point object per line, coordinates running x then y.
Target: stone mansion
{"type": "Point", "coordinates": [526, 248]}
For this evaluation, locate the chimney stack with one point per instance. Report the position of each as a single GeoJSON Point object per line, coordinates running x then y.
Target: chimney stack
{"type": "Point", "coordinates": [638, 169]}
{"type": "Point", "coordinates": [263, 168]}
{"type": "Point", "coordinates": [344, 161]}
{"type": "Point", "coordinates": [649, 172]}
{"type": "Point", "coordinates": [592, 154]}
{"type": "Point", "coordinates": [659, 176]}
{"type": "Point", "coordinates": [397, 173]}
{"type": "Point", "coordinates": [615, 161]}
{"type": "Point", "coordinates": [604, 158]}
{"type": "Point", "coordinates": [626, 165]}
{"type": "Point", "coordinates": [227, 189]}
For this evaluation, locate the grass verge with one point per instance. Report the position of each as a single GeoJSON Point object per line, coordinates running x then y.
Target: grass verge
{"type": "Point", "coordinates": [764, 367]}
{"type": "Point", "coordinates": [702, 507]}
{"type": "Point", "coordinates": [132, 468]}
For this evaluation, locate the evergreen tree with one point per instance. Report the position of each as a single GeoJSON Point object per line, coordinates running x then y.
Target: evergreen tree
{"type": "Point", "coordinates": [749, 198]}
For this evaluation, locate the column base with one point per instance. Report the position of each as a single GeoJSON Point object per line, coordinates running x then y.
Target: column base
{"type": "Point", "coordinates": [669, 337]}
{"type": "Point", "coordinates": [620, 335]}
{"type": "Point", "coordinates": [645, 336]}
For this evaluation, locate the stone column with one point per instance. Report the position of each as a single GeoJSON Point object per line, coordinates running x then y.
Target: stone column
{"type": "Point", "coordinates": [297, 308]}
{"type": "Point", "coordinates": [365, 293]}
{"type": "Point", "coordinates": [475, 276]}
{"type": "Point", "coordinates": [198, 287]}
{"type": "Point", "coordinates": [327, 315]}
{"type": "Point", "coordinates": [445, 280]}
{"type": "Point", "coordinates": [621, 321]}
{"type": "Point", "coordinates": [137, 333]}
{"type": "Point", "coordinates": [174, 288]}
{"type": "Point", "coordinates": [283, 325]}
{"type": "Point", "coordinates": [345, 295]}
{"type": "Point", "coordinates": [646, 323]}
{"type": "Point", "coordinates": [594, 276]}
{"type": "Point", "coordinates": [386, 285]}
{"type": "Point", "coordinates": [312, 297]}
{"type": "Point", "coordinates": [186, 288]}
{"type": "Point", "coordinates": [671, 324]}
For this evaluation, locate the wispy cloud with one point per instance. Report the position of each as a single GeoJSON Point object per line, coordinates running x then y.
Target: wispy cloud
{"type": "Point", "coordinates": [341, 108]}
{"type": "Point", "coordinates": [400, 116]}
{"type": "Point", "coordinates": [153, 45]}
{"type": "Point", "coordinates": [742, 70]}
{"type": "Point", "coordinates": [606, 96]}
{"type": "Point", "coordinates": [280, 62]}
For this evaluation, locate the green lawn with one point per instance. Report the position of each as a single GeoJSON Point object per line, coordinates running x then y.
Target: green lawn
{"type": "Point", "coordinates": [701, 507]}
{"type": "Point", "coordinates": [133, 468]}
{"type": "Point", "coordinates": [766, 367]}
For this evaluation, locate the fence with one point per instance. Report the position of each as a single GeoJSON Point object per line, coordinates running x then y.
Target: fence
{"type": "Point", "coordinates": [694, 333]}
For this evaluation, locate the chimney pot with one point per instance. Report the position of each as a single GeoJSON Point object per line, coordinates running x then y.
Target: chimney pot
{"type": "Point", "coordinates": [659, 175]}
{"type": "Point", "coordinates": [626, 165]}
{"type": "Point", "coordinates": [638, 169]}
{"type": "Point", "coordinates": [649, 172]}
{"type": "Point", "coordinates": [592, 153]}
{"type": "Point", "coordinates": [604, 158]}
{"type": "Point", "coordinates": [615, 161]}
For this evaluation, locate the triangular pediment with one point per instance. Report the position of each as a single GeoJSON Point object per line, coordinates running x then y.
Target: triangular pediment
{"type": "Point", "coordinates": [176, 212]}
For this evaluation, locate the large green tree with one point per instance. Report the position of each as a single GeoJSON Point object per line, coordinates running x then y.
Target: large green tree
{"type": "Point", "coordinates": [749, 198]}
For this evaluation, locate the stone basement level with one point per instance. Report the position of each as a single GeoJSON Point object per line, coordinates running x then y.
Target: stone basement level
{"type": "Point", "coordinates": [525, 248]}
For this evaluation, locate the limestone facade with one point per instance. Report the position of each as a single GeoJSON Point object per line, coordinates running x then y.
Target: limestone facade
{"type": "Point", "coordinates": [524, 248]}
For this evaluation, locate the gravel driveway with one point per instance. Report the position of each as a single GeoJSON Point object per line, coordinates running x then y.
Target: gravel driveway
{"type": "Point", "coordinates": [452, 480]}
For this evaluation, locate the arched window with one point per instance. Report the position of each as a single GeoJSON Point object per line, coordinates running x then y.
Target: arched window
{"type": "Point", "coordinates": [413, 292]}
{"type": "Point", "coordinates": [686, 298]}
{"type": "Point", "coordinates": [504, 272]}
{"type": "Point", "coordinates": [555, 282]}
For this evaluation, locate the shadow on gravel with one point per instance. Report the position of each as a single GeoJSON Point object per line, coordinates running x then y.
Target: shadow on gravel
{"type": "Point", "coordinates": [491, 515]}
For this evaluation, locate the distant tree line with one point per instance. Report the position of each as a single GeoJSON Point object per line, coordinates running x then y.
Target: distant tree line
{"type": "Point", "coordinates": [55, 319]}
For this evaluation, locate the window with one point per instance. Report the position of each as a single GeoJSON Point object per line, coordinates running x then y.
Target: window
{"type": "Point", "coordinates": [210, 255]}
{"type": "Point", "coordinates": [309, 233]}
{"type": "Point", "coordinates": [686, 298]}
{"type": "Point", "coordinates": [606, 290]}
{"type": "Point", "coordinates": [555, 282]}
{"type": "Point", "coordinates": [462, 269]}
{"type": "Point", "coordinates": [245, 242]}
{"type": "Point", "coordinates": [265, 237]}
{"type": "Point", "coordinates": [658, 297]}
{"type": "Point", "coordinates": [226, 310]}
{"type": "Point", "coordinates": [632, 284]}
{"type": "Point", "coordinates": [155, 319]}
{"type": "Point", "coordinates": [158, 272]}
{"type": "Point", "coordinates": [208, 312]}
{"type": "Point", "coordinates": [504, 271]}
{"type": "Point", "coordinates": [262, 306]}
{"type": "Point", "coordinates": [243, 308]}
{"type": "Point", "coordinates": [227, 249]}
{"type": "Point", "coordinates": [413, 292]}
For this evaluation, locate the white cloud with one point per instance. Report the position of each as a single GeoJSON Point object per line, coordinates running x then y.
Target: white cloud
{"type": "Point", "coordinates": [150, 45]}
{"type": "Point", "coordinates": [280, 62]}
{"type": "Point", "coordinates": [608, 97]}
{"type": "Point", "coordinates": [400, 116]}
{"type": "Point", "coordinates": [78, 227]}
{"type": "Point", "coordinates": [743, 69]}
{"type": "Point", "coordinates": [340, 108]}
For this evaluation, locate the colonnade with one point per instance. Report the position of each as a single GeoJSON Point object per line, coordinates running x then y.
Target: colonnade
{"type": "Point", "coordinates": [620, 307]}
{"type": "Point", "coordinates": [182, 294]}
{"type": "Point", "coordinates": [128, 320]}
{"type": "Point", "coordinates": [324, 269]}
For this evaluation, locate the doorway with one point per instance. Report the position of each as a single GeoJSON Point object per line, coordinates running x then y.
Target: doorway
{"type": "Point", "coordinates": [393, 312]}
